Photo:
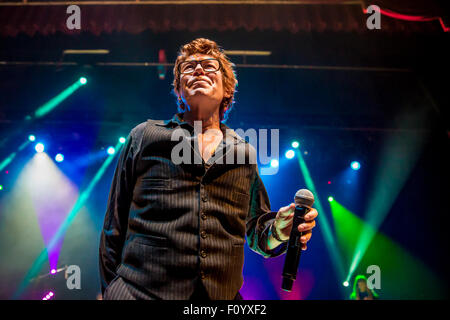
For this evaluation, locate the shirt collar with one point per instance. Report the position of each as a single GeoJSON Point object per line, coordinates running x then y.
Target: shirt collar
{"type": "Point", "coordinates": [230, 135]}
{"type": "Point", "coordinates": [177, 119]}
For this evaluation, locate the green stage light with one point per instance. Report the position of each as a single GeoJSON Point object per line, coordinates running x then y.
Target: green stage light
{"type": "Point", "coordinates": [42, 110]}
{"type": "Point", "coordinates": [345, 284]}
{"type": "Point", "coordinates": [7, 160]}
{"type": "Point", "coordinates": [322, 218]}
{"type": "Point", "coordinates": [53, 103]}
{"type": "Point", "coordinates": [111, 150]}
{"type": "Point", "coordinates": [83, 80]}
{"type": "Point", "coordinates": [122, 139]}
{"type": "Point", "coordinates": [330, 199]}
{"type": "Point", "coordinates": [402, 275]}
{"type": "Point", "coordinates": [295, 144]}
{"type": "Point", "coordinates": [1, 187]}
{"type": "Point", "coordinates": [11, 156]}
{"type": "Point", "coordinates": [396, 161]}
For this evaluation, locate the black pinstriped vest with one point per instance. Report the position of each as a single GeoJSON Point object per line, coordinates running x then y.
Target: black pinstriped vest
{"type": "Point", "coordinates": [169, 225]}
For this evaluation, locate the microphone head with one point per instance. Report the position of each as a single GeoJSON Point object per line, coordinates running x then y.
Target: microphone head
{"type": "Point", "coordinates": [304, 198]}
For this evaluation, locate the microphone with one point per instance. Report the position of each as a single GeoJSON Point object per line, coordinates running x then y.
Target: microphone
{"type": "Point", "coordinates": [304, 200]}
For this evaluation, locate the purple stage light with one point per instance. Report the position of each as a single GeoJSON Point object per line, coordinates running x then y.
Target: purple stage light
{"type": "Point", "coordinates": [48, 296]}
{"type": "Point", "coordinates": [44, 181]}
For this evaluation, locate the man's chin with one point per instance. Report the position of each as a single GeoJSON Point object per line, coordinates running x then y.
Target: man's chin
{"type": "Point", "coordinates": [200, 92]}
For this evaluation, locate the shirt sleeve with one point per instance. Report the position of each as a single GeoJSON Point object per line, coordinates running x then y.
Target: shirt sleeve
{"type": "Point", "coordinates": [116, 218]}
{"type": "Point", "coordinates": [259, 220]}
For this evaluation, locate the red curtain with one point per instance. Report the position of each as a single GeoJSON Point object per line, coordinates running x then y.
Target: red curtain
{"type": "Point", "coordinates": [133, 19]}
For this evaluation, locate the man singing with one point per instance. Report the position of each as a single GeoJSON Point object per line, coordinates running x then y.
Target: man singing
{"type": "Point", "coordinates": [177, 230]}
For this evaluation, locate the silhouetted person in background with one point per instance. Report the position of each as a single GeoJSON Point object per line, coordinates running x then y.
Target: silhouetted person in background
{"type": "Point", "coordinates": [361, 291]}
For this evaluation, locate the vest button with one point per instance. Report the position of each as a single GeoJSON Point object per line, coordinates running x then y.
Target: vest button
{"type": "Point", "coordinates": [203, 234]}
{"type": "Point", "coordinates": [203, 254]}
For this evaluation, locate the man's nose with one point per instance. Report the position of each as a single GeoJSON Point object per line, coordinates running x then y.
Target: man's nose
{"type": "Point", "coordinates": [199, 69]}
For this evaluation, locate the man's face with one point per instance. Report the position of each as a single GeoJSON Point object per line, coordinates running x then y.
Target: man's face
{"type": "Point", "coordinates": [202, 88]}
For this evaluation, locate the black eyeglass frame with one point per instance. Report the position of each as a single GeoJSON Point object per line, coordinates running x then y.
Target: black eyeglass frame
{"type": "Point", "coordinates": [196, 63]}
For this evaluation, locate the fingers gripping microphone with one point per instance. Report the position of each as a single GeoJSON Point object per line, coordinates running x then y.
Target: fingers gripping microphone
{"type": "Point", "coordinates": [304, 200]}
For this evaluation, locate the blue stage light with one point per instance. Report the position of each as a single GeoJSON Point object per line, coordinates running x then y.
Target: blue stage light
{"type": "Point", "coordinates": [31, 137]}
{"type": "Point", "coordinates": [295, 144]}
{"type": "Point", "coordinates": [59, 157]}
{"type": "Point", "coordinates": [39, 148]}
{"type": "Point", "coordinates": [355, 165]}
{"type": "Point", "coordinates": [274, 163]}
{"type": "Point", "coordinates": [290, 154]}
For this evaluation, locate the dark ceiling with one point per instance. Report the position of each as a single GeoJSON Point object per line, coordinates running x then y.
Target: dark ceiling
{"type": "Point", "coordinates": [315, 78]}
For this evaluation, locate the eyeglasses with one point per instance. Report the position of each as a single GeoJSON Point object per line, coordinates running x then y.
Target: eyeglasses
{"type": "Point", "coordinates": [208, 65]}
